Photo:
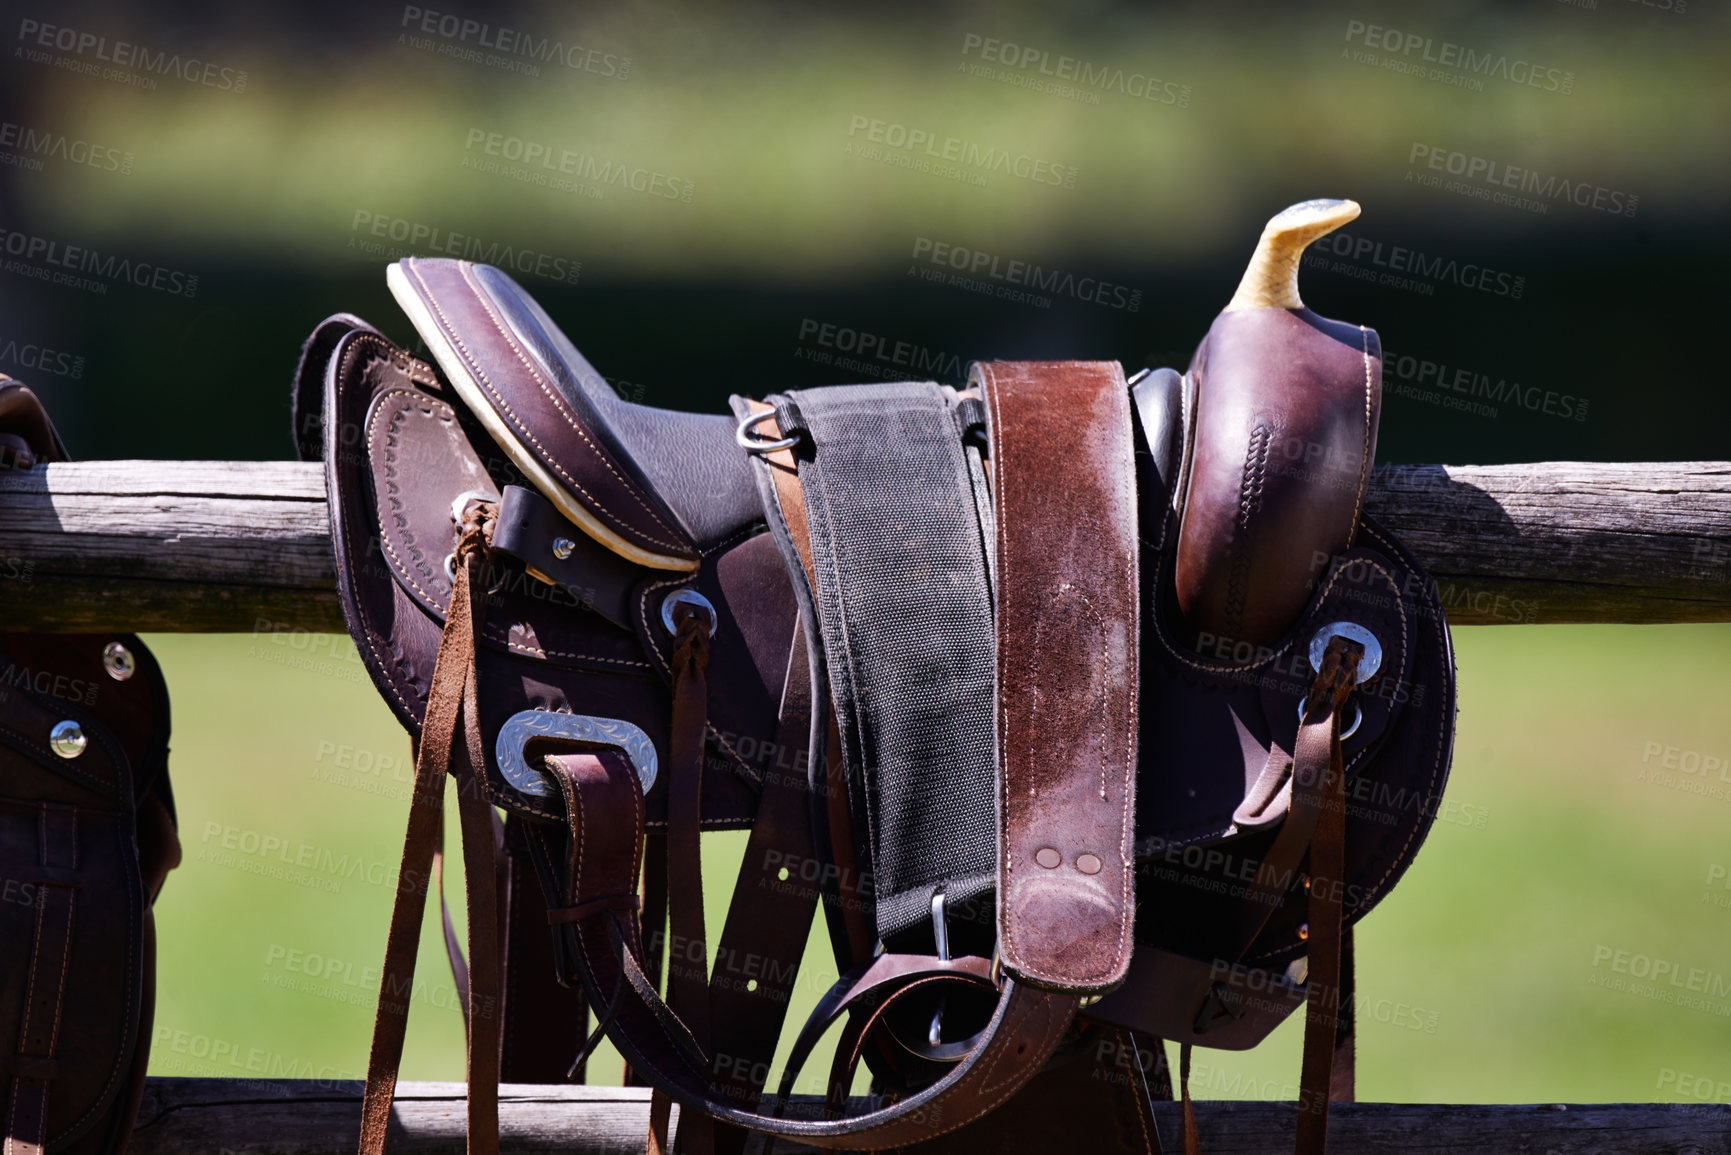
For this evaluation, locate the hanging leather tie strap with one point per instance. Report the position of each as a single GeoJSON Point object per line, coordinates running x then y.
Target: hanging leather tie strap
{"type": "Point", "coordinates": [1328, 695]}
{"type": "Point", "coordinates": [688, 952]}
{"type": "Point", "coordinates": [451, 707]}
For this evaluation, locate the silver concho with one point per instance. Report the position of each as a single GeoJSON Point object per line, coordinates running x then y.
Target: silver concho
{"type": "Point", "coordinates": [67, 739]}
{"type": "Point", "coordinates": [686, 597]}
{"type": "Point", "coordinates": [1352, 632]}
{"type": "Point", "coordinates": [523, 727]}
{"type": "Point", "coordinates": [118, 661]}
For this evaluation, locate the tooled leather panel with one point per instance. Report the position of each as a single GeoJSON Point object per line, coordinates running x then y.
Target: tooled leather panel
{"type": "Point", "coordinates": [395, 458]}
{"type": "Point", "coordinates": [1067, 625]}
{"type": "Point", "coordinates": [540, 418]}
{"type": "Point", "coordinates": [1286, 416]}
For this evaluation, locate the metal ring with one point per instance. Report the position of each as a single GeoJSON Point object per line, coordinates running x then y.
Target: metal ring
{"type": "Point", "coordinates": [1357, 717]}
{"type": "Point", "coordinates": [753, 444]}
{"type": "Point", "coordinates": [1368, 665]}
{"type": "Point", "coordinates": [687, 597]}
{"type": "Point", "coordinates": [462, 500]}
{"type": "Point", "coordinates": [451, 573]}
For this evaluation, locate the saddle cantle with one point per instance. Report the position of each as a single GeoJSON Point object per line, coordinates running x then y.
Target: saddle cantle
{"type": "Point", "coordinates": [1091, 712]}
{"type": "Point", "coordinates": [87, 836]}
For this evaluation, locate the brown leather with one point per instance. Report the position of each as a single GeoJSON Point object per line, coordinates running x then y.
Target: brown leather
{"type": "Point", "coordinates": [1286, 418]}
{"type": "Point", "coordinates": [450, 744]}
{"type": "Point", "coordinates": [86, 842]}
{"type": "Point", "coordinates": [1068, 645]}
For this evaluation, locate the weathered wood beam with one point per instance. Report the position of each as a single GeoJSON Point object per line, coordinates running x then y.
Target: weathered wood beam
{"type": "Point", "coordinates": [288, 1117]}
{"type": "Point", "coordinates": [213, 546]}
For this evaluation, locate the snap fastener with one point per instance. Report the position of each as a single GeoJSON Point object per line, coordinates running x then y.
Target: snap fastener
{"type": "Point", "coordinates": [1048, 858]}
{"type": "Point", "coordinates": [1303, 931]}
{"type": "Point", "coordinates": [562, 547]}
{"type": "Point", "coordinates": [1089, 864]}
{"type": "Point", "coordinates": [118, 661]}
{"type": "Point", "coordinates": [67, 739]}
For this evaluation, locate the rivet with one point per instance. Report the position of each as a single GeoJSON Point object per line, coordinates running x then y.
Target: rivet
{"type": "Point", "coordinates": [562, 547]}
{"type": "Point", "coordinates": [118, 661]}
{"type": "Point", "coordinates": [1304, 931]}
{"type": "Point", "coordinates": [1089, 864]}
{"type": "Point", "coordinates": [67, 739]}
{"type": "Point", "coordinates": [1048, 858]}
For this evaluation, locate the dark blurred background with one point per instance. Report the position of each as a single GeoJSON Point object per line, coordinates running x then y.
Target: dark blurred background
{"type": "Point", "coordinates": [1556, 173]}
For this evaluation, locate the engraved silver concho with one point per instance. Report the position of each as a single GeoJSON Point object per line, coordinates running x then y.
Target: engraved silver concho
{"type": "Point", "coordinates": [527, 725]}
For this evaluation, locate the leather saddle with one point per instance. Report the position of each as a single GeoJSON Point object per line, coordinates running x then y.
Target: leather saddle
{"type": "Point", "coordinates": [1091, 712]}
{"type": "Point", "coordinates": [87, 836]}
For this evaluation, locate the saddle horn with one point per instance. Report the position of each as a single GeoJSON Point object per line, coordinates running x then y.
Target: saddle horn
{"type": "Point", "coordinates": [1285, 431]}
{"type": "Point", "coordinates": [1271, 279]}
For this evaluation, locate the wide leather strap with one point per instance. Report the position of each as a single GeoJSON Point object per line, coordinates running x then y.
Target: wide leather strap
{"type": "Point", "coordinates": [1064, 494]}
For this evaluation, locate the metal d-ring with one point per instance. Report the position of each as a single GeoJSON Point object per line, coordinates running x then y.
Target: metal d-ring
{"type": "Point", "coordinates": [751, 443]}
{"type": "Point", "coordinates": [1357, 717]}
{"type": "Point", "coordinates": [451, 573]}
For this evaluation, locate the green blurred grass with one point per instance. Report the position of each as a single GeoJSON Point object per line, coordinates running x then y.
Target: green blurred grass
{"type": "Point", "coordinates": [1479, 970]}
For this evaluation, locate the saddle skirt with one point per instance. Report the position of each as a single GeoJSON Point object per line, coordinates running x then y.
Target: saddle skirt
{"type": "Point", "coordinates": [1080, 706]}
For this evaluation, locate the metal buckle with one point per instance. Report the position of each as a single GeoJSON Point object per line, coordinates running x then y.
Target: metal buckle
{"type": "Point", "coordinates": [527, 725]}
{"type": "Point", "coordinates": [751, 443]}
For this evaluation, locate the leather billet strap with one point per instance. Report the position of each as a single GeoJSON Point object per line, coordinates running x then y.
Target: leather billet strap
{"type": "Point", "coordinates": [1064, 492]}
{"type": "Point", "coordinates": [34, 1066]}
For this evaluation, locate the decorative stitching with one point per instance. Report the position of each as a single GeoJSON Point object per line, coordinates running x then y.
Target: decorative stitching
{"type": "Point", "coordinates": [457, 342]}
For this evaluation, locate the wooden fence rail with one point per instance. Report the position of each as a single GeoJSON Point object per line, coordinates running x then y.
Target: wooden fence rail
{"type": "Point", "coordinates": [217, 546]}
{"type": "Point", "coordinates": [286, 1117]}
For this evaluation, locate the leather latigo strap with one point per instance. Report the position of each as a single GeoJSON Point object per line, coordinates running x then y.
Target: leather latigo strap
{"type": "Point", "coordinates": [1064, 492]}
